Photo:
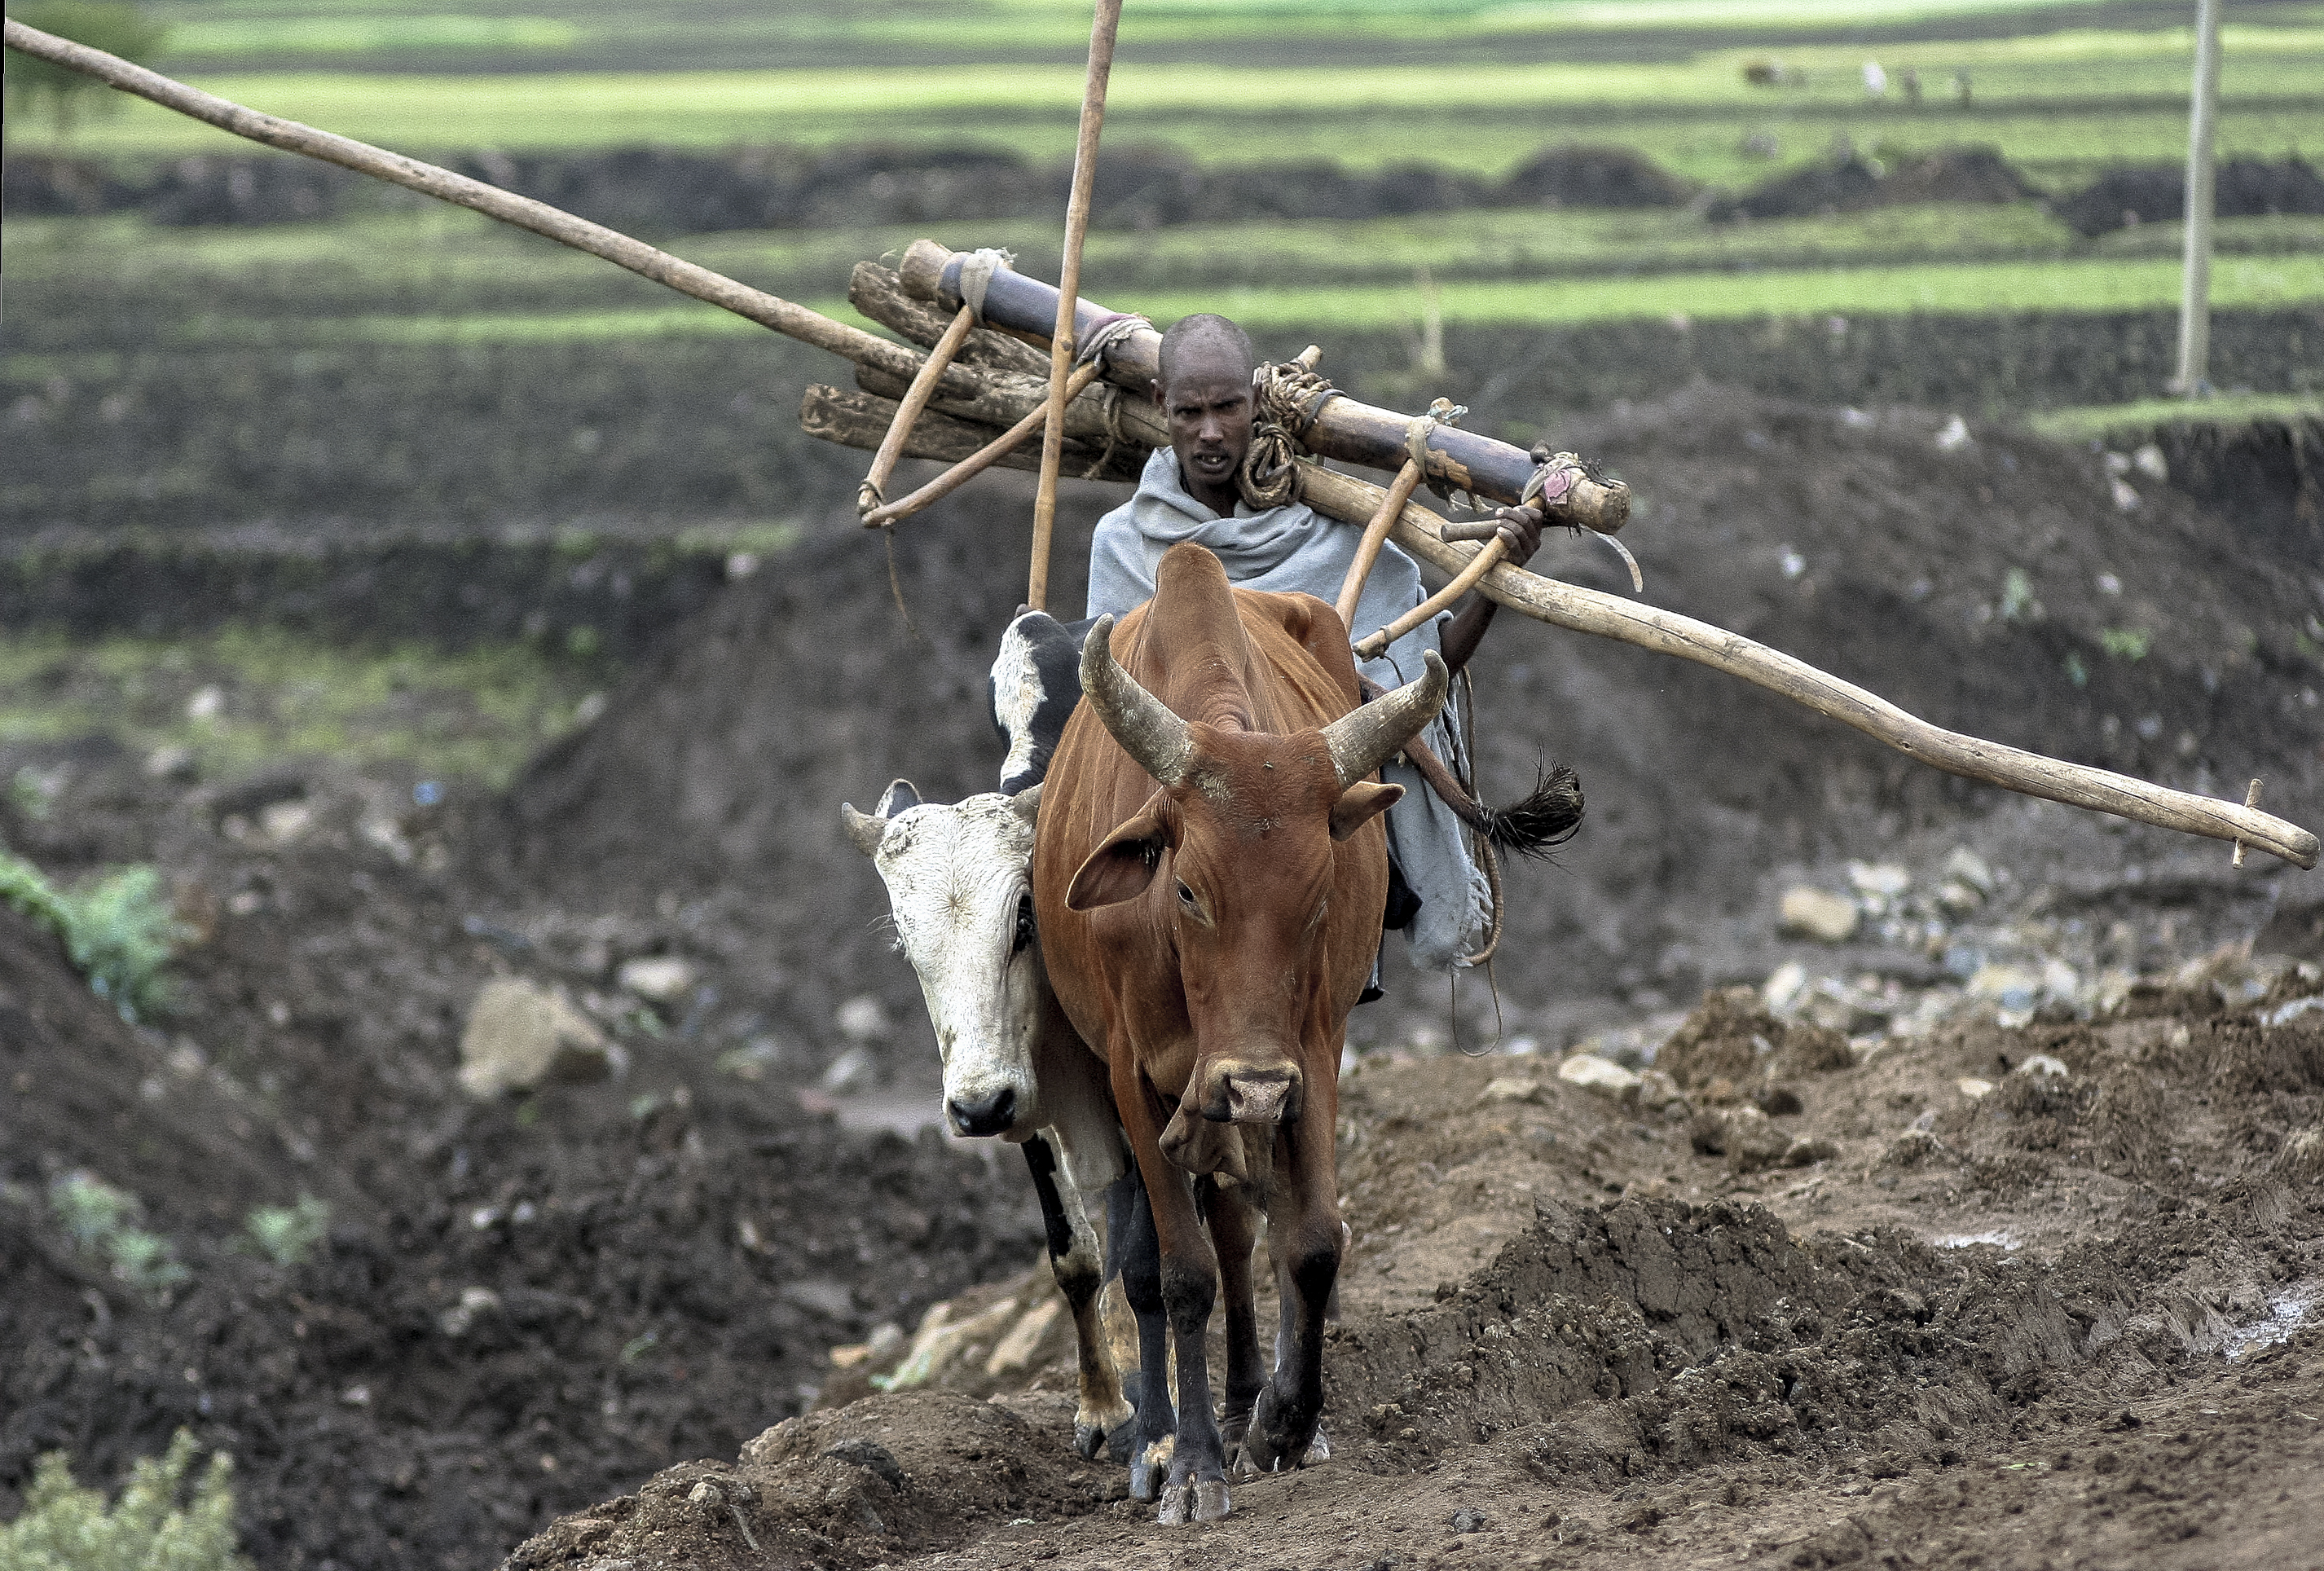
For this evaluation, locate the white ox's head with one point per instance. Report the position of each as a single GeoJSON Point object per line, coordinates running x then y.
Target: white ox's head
{"type": "Point", "coordinates": [959, 882]}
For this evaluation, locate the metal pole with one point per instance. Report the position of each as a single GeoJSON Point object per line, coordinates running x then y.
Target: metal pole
{"type": "Point", "coordinates": [2194, 378]}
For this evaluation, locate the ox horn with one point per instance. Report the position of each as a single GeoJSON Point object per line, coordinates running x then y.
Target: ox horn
{"type": "Point", "coordinates": [1162, 743]}
{"type": "Point", "coordinates": [1369, 735]}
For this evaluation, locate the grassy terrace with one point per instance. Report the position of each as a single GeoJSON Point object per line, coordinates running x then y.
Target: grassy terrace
{"type": "Point", "coordinates": [2059, 86]}
{"type": "Point", "coordinates": [441, 276]}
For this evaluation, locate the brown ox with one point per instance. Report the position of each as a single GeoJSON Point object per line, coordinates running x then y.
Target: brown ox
{"type": "Point", "coordinates": [1209, 895]}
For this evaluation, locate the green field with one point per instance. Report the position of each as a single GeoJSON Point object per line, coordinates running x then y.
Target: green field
{"type": "Point", "coordinates": [2059, 86]}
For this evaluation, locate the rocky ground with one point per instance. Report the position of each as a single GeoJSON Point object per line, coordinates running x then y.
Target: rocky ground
{"type": "Point", "coordinates": [1865, 1168]}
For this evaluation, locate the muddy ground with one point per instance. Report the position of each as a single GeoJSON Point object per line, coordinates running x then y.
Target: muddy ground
{"type": "Point", "coordinates": [1879, 1291]}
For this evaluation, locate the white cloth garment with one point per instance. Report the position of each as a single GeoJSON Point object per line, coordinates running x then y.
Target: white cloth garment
{"type": "Point", "coordinates": [1295, 549]}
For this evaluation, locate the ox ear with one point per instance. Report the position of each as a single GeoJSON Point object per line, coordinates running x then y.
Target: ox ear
{"type": "Point", "coordinates": [1123, 864]}
{"type": "Point", "coordinates": [1359, 804]}
{"type": "Point", "coordinates": [1028, 803]}
{"type": "Point", "coordinates": [863, 832]}
{"type": "Point", "coordinates": [900, 794]}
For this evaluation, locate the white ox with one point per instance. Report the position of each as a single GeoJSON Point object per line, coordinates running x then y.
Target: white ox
{"type": "Point", "coordinates": [958, 878]}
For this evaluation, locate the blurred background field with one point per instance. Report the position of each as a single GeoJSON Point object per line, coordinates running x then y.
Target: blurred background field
{"type": "Point", "coordinates": [1540, 208]}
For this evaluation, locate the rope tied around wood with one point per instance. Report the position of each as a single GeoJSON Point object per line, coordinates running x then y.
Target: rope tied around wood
{"type": "Point", "coordinates": [976, 271]}
{"type": "Point", "coordinates": [1553, 480]}
{"type": "Point", "coordinates": [1286, 398]}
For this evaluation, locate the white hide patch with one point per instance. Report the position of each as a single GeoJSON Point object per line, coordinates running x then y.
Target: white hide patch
{"type": "Point", "coordinates": [956, 874]}
{"type": "Point", "coordinates": [1017, 694]}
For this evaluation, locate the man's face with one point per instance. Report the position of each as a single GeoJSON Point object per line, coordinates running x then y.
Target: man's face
{"type": "Point", "coordinates": [1207, 403]}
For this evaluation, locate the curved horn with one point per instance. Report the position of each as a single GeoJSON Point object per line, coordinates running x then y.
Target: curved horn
{"type": "Point", "coordinates": [1148, 732]}
{"type": "Point", "coordinates": [1369, 735]}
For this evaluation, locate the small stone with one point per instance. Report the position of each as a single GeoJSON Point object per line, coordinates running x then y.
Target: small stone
{"type": "Point", "coordinates": [657, 978]}
{"type": "Point", "coordinates": [1975, 1089]}
{"type": "Point", "coordinates": [174, 764]}
{"type": "Point", "coordinates": [1785, 987]}
{"type": "Point", "coordinates": [1468, 1520]}
{"type": "Point", "coordinates": [704, 1494]}
{"type": "Point", "coordinates": [864, 1019]}
{"type": "Point", "coordinates": [2012, 987]}
{"type": "Point", "coordinates": [1878, 880]}
{"type": "Point", "coordinates": [853, 1070]}
{"type": "Point", "coordinates": [283, 822]}
{"type": "Point", "coordinates": [1656, 1090]}
{"type": "Point", "coordinates": [1593, 1072]}
{"type": "Point", "coordinates": [2042, 1066]}
{"type": "Point", "coordinates": [2149, 461]}
{"type": "Point", "coordinates": [520, 1035]}
{"type": "Point", "coordinates": [1965, 866]}
{"type": "Point", "coordinates": [207, 703]}
{"type": "Point", "coordinates": [2302, 1155]}
{"type": "Point", "coordinates": [1512, 1089]}
{"type": "Point", "coordinates": [1809, 1149]}
{"type": "Point", "coordinates": [1818, 914]}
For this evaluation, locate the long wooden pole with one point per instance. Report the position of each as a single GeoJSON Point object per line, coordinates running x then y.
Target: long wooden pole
{"type": "Point", "coordinates": [1344, 497]}
{"type": "Point", "coordinates": [2194, 378]}
{"type": "Point", "coordinates": [686, 277]}
{"type": "Point", "coordinates": [1063, 340]}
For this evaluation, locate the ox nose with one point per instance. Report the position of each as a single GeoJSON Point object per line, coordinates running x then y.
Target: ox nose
{"type": "Point", "coordinates": [983, 1114]}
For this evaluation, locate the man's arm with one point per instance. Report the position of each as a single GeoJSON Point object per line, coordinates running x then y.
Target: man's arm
{"type": "Point", "coordinates": [1521, 537]}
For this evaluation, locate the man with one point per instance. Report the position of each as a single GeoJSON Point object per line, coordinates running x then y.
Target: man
{"type": "Point", "coordinates": [1192, 491]}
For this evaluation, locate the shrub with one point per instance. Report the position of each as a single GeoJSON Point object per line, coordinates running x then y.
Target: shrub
{"type": "Point", "coordinates": [66, 1527]}
{"type": "Point", "coordinates": [118, 930]}
{"type": "Point", "coordinates": [286, 1234]}
{"type": "Point", "coordinates": [102, 1220]}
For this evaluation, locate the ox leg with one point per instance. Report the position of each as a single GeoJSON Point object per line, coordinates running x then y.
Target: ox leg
{"type": "Point", "coordinates": [1131, 1239]}
{"type": "Point", "coordinates": [1075, 1262]}
{"type": "Point", "coordinates": [1305, 1235]}
{"type": "Point", "coordinates": [1229, 1216]}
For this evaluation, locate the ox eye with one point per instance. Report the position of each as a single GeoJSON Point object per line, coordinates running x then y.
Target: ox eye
{"type": "Point", "coordinates": [1186, 897]}
{"type": "Point", "coordinates": [1024, 934]}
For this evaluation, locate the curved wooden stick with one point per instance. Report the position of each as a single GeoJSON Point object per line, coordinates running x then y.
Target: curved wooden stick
{"type": "Point", "coordinates": [1370, 646]}
{"type": "Point", "coordinates": [1105, 22]}
{"type": "Point", "coordinates": [868, 496]}
{"type": "Point", "coordinates": [1560, 605]}
{"type": "Point", "coordinates": [983, 459]}
{"type": "Point", "coordinates": [1368, 550]}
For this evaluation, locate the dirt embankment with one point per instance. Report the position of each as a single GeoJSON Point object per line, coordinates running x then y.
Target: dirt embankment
{"type": "Point", "coordinates": [1945, 1308]}
{"type": "Point", "coordinates": [2004, 1311]}
{"type": "Point", "coordinates": [1984, 580]}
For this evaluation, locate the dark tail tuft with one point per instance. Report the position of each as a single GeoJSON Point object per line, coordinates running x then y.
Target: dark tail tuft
{"type": "Point", "coordinates": [1543, 821]}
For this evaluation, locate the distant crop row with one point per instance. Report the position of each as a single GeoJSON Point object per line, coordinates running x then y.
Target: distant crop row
{"type": "Point", "coordinates": [2068, 99]}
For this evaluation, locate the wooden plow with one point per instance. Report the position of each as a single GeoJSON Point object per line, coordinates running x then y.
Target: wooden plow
{"type": "Point", "coordinates": [989, 389]}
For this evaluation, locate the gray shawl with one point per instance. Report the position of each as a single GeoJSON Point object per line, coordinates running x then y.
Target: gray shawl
{"type": "Point", "coordinates": [1294, 548]}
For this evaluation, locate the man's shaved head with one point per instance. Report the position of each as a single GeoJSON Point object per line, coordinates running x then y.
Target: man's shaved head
{"type": "Point", "coordinates": [1211, 332]}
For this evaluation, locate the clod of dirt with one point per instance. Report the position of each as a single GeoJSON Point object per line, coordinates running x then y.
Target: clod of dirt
{"type": "Point", "coordinates": [520, 1036]}
{"type": "Point", "coordinates": [886, 1476]}
{"type": "Point", "coordinates": [1731, 1037]}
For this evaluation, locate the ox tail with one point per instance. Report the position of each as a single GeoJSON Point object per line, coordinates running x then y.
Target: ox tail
{"type": "Point", "coordinates": [1533, 826]}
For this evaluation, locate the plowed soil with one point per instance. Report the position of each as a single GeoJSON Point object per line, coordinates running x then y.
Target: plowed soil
{"type": "Point", "coordinates": [1886, 1266]}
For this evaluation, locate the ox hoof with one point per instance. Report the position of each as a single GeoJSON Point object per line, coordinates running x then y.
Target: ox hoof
{"type": "Point", "coordinates": [1319, 1449]}
{"type": "Point", "coordinates": [1148, 1472]}
{"type": "Point", "coordinates": [1273, 1444]}
{"type": "Point", "coordinates": [1177, 1504]}
{"type": "Point", "coordinates": [1210, 1500]}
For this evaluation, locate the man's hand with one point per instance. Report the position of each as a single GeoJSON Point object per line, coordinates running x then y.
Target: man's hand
{"type": "Point", "coordinates": [1520, 533]}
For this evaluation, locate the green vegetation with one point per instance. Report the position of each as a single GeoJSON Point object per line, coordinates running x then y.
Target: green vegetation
{"type": "Point", "coordinates": [35, 86]}
{"type": "Point", "coordinates": [2135, 420]}
{"type": "Point", "coordinates": [288, 1235]}
{"type": "Point", "coordinates": [155, 1526]}
{"type": "Point", "coordinates": [103, 1224]}
{"type": "Point", "coordinates": [119, 930]}
{"type": "Point", "coordinates": [2059, 87]}
{"type": "Point", "coordinates": [476, 714]}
